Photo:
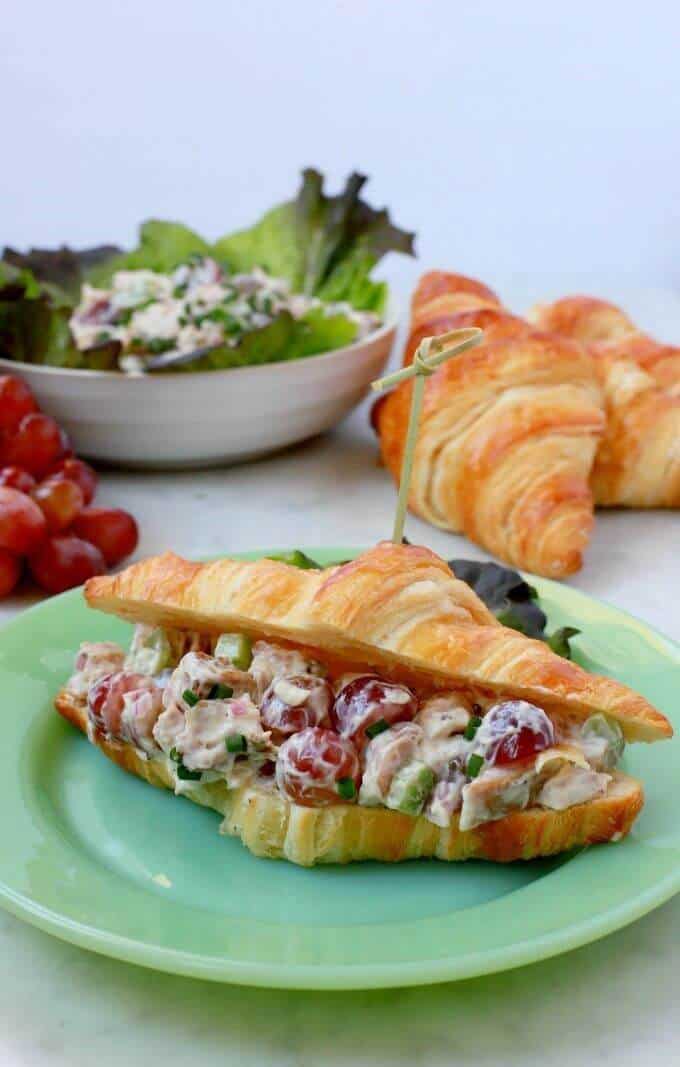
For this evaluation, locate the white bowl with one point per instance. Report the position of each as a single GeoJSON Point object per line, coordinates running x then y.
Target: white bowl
{"type": "Point", "coordinates": [205, 417]}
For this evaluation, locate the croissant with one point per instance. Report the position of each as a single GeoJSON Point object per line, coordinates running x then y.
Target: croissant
{"type": "Point", "coordinates": [596, 322]}
{"type": "Point", "coordinates": [508, 432]}
{"type": "Point", "coordinates": [638, 461]}
{"type": "Point", "coordinates": [401, 614]}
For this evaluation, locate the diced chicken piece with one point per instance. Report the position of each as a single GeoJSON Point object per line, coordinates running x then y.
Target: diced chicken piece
{"type": "Point", "coordinates": [207, 727]}
{"type": "Point", "coordinates": [446, 799]}
{"type": "Point", "coordinates": [167, 727]}
{"type": "Point", "coordinates": [199, 673]}
{"type": "Point", "coordinates": [384, 756]}
{"type": "Point", "coordinates": [572, 785]}
{"type": "Point", "coordinates": [94, 660]}
{"type": "Point", "coordinates": [493, 794]}
{"type": "Point", "coordinates": [443, 715]}
{"type": "Point", "coordinates": [272, 661]}
{"type": "Point", "coordinates": [141, 709]}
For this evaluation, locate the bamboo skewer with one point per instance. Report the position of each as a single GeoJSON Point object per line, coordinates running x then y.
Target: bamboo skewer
{"type": "Point", "coordinates": [430, 354]}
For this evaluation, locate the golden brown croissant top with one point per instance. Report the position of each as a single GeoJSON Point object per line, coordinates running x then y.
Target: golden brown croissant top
{"type": "Point", "coordinates": [638, 462]}
{"type": "Point", "coordinates": [436, 283]}
{"type": "Point", "coordinates": [396, 608]}
{"type": "Point", "coordinates": [599, 323]}
{"type": "Point", "coordinates": [507, 439]}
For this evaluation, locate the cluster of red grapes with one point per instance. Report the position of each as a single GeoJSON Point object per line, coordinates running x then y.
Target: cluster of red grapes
{"type": "Point", "coordinates": [46, 520]}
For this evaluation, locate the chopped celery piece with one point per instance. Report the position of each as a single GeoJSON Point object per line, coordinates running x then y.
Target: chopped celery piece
{"type": "Point", "coordinates": [410, 788]}
{"type": "Point", "coordinates": [235, 647]}
{"type": "Point", "coordinates": [150, 651]}
{"type": "Point", "coordinates": [605, 729]}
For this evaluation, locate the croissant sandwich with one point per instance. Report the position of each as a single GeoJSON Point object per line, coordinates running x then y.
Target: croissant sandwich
{"type": "Point", "coordinates": [508, 432]}
{"type": "Point", "coordinates": [374, 710]}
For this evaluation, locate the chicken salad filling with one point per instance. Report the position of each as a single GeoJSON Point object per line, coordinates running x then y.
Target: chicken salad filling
{"type": "Point", "coordinates": [199, 305]}
{"type": "Point", "coordinates": [271, 716]}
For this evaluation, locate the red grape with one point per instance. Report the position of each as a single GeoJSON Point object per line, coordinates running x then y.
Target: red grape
{"type": "Point", "coordinates": [63, 562]}
{"type": "Point", "coordinates": [22, 524]}
{"type": "Point", "coordinates": [316, 768]}
{"type": "Point", "coordinates": [285, 709]}
{"type": "Point", "coordinates": [36, 445]}
{"type": "Point", "coordinates": [10, 571]}
{"type": "Point", "coordinates": [515, 730]}
{"type": "Point", "coordinates": [60, 500]}
{"type": "Point", "coordinates": [16, 478]}
{"type": "Point", "coordinates": [105, 700]}
{"type": "Point", "coordinates": [76, 470]}
{"type": "Point", "coordinates": [16, 400]}
{"type": "Point", "coordinates": [112, 530]}
{"type": "Point", "coordinates": [367, 700]}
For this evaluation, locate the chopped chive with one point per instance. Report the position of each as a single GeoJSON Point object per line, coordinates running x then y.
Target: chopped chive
{"type": "Point", "coordinates": [346, 788]}
{"type": "Point", "coordinates": [186, 775]}
{"type": "Point", "coordinates": [236, 743]}
{"type": "Point", "coordinates": [472, 727]}
{"type": "Point", "coordinates": [189, 698]}
{"type": "Point", "coordinates": [296, 558]}
{"type": "Point", "coordinates": [183, 772]}
{"type": "Point", "coordinates": [220, 692]}
{"type": "Point", "coordinates": [376, 728]}
{"type": "Point", "coordinates": [474, 766]}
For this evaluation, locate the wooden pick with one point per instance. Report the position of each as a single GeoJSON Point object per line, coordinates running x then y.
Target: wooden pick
{"type": "Point", "coordinates": [430, 354]}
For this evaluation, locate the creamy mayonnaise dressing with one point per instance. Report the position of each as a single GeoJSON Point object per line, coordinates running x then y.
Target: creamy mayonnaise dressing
{"type": "Point", "coordinates": [197, 305]}
{"type": "Point", "coordinates": [172, 700]}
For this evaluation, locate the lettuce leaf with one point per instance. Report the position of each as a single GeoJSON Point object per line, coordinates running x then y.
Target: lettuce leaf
{"type": "Point", "coordinates": [324, 246]}
{"type": "Point", "coordinates": [283, 339]}
{"type": "Point", "coordinates": [34, 323]}
{"type": "Point", "coordinates": [62, 267]}
{"type": "Point", "coordinates": [162, 247]}
{"type": "Point", "coordinates": [513, 601]}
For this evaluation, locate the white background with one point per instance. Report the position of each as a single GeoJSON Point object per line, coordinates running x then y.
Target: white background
{"type": "Point", "coordinates": [521, 140]}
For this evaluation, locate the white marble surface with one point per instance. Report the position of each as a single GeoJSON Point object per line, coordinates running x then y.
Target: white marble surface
{"type": "Point", "coordinates": [611, 1002]}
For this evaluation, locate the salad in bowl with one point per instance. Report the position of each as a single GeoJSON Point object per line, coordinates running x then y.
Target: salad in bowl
{"type": "Point", "coordinates": [285, 316]}
{"type": "Point", "coordinates": [297, 283]}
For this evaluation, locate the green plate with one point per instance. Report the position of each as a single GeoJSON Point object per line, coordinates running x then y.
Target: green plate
{"type": "Point", "coordinates": [101, 859]}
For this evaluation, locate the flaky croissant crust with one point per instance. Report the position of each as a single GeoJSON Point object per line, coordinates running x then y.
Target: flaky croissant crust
{"type": "Point", "coordinates": [606, 327]}
{"type": "Point", "coordinates": [508, 433]}
{"type": "Point", "coordinates": [638, 461]}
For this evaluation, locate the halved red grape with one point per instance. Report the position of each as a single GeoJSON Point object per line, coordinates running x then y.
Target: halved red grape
{"type": "Point", "coordinates": [293, 703]}
{"type": "Point", "coordinates": [23, 528]}
{"type": "Point", "coordinates": [60, 500]}
{"type": "Point", "coordinates": [105, 699]}
{"type": "Point", "coordinates": [16, 478]}
{"type": "Point", "coordinates": [316, 768]}
{"type": "Point", "coordinates": [65, 561]}
{"type": "Point", "coordinates": [36, 445]}
{"type": "Point", "coordinates": [366, 701]}
{"type": "Point", "coordinates": [10, 571]}
{"type": "Point", "coordinates": [112, 530]}
{"type": "Point", "coordinates": [76, 470]}
{"type": "Point", "coordinates": [16, 400]}
{"type": "Point", "coordinates": [515, 730]}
